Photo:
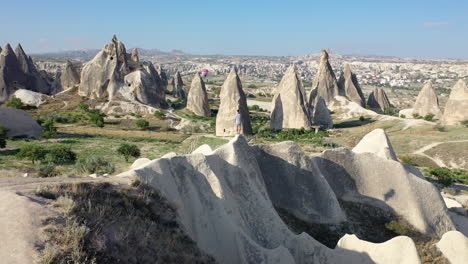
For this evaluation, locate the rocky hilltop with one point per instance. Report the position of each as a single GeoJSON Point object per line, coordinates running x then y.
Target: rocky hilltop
{"type": "Point", "coordinates": [115, 76]}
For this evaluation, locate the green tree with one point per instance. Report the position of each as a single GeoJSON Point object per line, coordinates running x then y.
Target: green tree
{"type": "Point", "coordinates": [60, 155]}
{"type": "Point", "coordinates": [141, 123]}
{"type": "Point", "coordinates": [3, 136]}
{"type": "Point", "coordinates": [49, 129]}
{"type": "Point", "coordinates": [32, 152]}
{"type": "Point", "coordinates": [96, 118]}
{"type": "Point", "coordinates": [15, 102]}
{"type": "Point", "coordinates": [128, 150]}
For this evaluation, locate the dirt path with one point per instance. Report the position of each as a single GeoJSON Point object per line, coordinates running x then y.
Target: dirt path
{"type": "Point", "coordinates": [439, 162]}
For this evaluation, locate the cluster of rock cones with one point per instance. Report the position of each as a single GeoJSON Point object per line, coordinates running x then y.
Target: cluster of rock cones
{"type": "Point", "coordinates": [227, 201]}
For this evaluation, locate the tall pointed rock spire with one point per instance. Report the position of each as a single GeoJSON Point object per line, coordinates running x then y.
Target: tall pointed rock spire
{"type": "Point", "coordinates": [325, 81]}
{"type": "Point", "coordinates": [232, 99]}
{"type": "Point", "coordinates": [427, 102]}
{"type": "Point", "coordinates": [197, 99]}
{"type": "Point", "coordinates": [290, 103]}
{"type": "Point", "coordinates": [349, 86]}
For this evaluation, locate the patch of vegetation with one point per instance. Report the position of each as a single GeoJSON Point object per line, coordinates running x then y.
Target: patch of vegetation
{"type": "Point", "coordinates": [15, 102]}
{"type": "Point", "coordinates": [3, 136]}
{"type": "Point", "coordinates": [56, 154]}
{"type": "Point", "coordinates": [83, 107]}
{"type": "Point", "coordinates": [408, 160]}
{"type": "Point", "coordinates": [402, 116]}
{"type": "Point", "coordinates": [252, 86]}
{"type": "Point", "coordinates": [259, 123]}
{"type": "Point", "coordinates": [32, 152]}
{"type": "Point", "coordinates": [94, 164]}
{"type": "Point", "coordinates": [256, 108]}
{"type": "Point", "coordinates": [398, 227]}
{"type": "Point", "coordinates": [416, 116]}
{"type": "Point", "coordinates": [59, 154]}
{"type": "Point", "coordinates": [142, 123]}
{"type": "Point", "coordinates": [128, 150]}
{"type": "Point", "coordinates": [100, 223]}
{"type": "Point", "coordinates": [47, 170]}
{"type": "Point", "coordinates": [389, 111]}
{"type": "Point", "coordinates": [159, 115]}
{"type": "Point", "coordinates": [295, 135]}
{"type": "Point", "coordinates": [96, 118]}
{"type": "Point", "coordinates": [429, 117]}
{"type": "Point", "coordinates": [446, 176]}
{"type": "Point", "coordinates": [49, 129]}
{"type": "Point", "coordinates": [465, 123]}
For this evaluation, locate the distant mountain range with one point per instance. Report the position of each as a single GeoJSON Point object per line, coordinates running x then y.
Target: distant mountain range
{"type": "Point", "coordinates": [88, 54]}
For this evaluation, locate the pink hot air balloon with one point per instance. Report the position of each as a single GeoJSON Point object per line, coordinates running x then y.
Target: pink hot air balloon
{"type": "Point", "coordinates": [204, 73]}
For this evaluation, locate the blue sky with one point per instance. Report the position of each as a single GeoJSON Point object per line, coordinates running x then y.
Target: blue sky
{"type": "Point", "coordinates": [256, 27]}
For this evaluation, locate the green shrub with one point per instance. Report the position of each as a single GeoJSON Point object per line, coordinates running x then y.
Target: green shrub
{"type": "Point", "coordinates": [398, 227]}
{"type": "Point", "coordinates": [49, 129]}
{"type": "Point", "coordinates": [96, 118]}
{"type": "Point", "coordinates": [141, 123]}
{"type": "Point", "coordinates": [159, 115]}
{"type": "Point", "coordinates": [31, 152]}
{"type": "Point", "coordinates": [128, 150]}
{"type": "Point", "coordinates": [428, 117]}
{"type": "Point", "coordinates": [84, 107]}
{"type": "Point", "coordinates": [3, 136]}
{"type": "Point", "coordinates": [402, 116]}
{"type": "Point", "coordinates": [443, 175]}
{"type": "Point", "coordinates": [94, 164]}
{"type": "Point", "coordinates": [408, 160]}
{"type": "Point", "coordinates": [252, 86]}
{"type": "Point", "coordinates": [15, 102]}
{"type": "Point", "coordinates": [416, 115]}
{"type": "Point", "coordinates": [447, 176]}
{"type": "Point", "coordinates": [465, 123]}
{"type": "Point", "coordinates": [47, 170]}
{"type": "Point", "coordinates": [362, 119]}
{"type": "Point", "coordinates": [60, 155]}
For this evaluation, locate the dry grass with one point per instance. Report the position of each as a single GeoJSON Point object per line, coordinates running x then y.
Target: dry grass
{"type": "Point", "coordinates": [102, 223]}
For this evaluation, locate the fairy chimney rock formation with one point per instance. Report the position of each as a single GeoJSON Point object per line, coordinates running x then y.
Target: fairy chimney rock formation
{"type": "Point", "coordinates": [427, 102]}
{"type": "Point", "coordinates": [197, 99]}
{"type": "Point", "coordinates": [103, 75]}
{"type": "Point", "coordinates": [232, 98]}
{"type": "Point", "coordinates": [325, 81]}
{"type": "Point", "coordinates": [17, 71]}
{"type": "Point", "coordinates": [178, 86]}
{"type": "Point", "coordinates": [349, 86]}
{"type": "Point", "coordinates": [378, 100]}
{"type": "Point", "coordinates": [289, 103]}
{"type": "Point", "coordinates": [456, 109]}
